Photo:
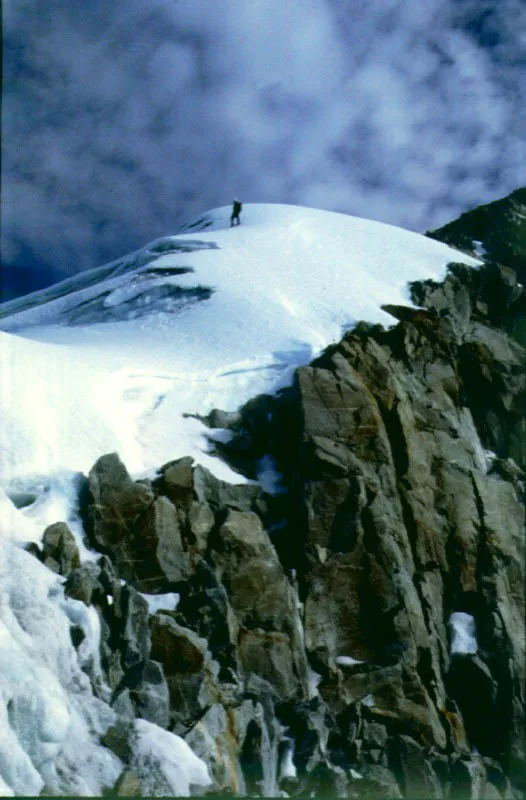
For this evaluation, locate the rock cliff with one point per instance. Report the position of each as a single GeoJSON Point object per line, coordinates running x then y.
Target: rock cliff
{"type": "Point", "coordinates": [358, 631]}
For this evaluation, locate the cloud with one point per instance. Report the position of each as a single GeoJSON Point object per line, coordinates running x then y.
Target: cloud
{"type": "Point", "coordinates": [120, 120]}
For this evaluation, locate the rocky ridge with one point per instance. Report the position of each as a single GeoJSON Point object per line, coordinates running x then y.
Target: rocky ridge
{"type": "Point", "coordinates": [359, 632]}
{"type": "Point", "coordinates": [498, 229]}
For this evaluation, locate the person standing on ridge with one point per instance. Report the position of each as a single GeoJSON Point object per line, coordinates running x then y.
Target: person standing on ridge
{"type": "Point", "coordinates": [236, 211]}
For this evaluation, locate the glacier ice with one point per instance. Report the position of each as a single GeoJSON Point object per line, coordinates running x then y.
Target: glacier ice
{"type": "Point", "coordinates": [50, 720]}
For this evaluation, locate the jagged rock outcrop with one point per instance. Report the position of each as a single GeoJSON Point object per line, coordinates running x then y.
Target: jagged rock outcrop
{"type": "Point", "coordinates": [495, 232]}
{"type": "Point", "coordinates": [360, 631]}
{"type": "Point", "coordinates": [487, 310]}
{"type": "Point", "coordinates": [406, 527]}
{"type": "Point", "coordinates": [59, 550]}
{"type": "Point", "coordinates": [400, 512]}
{"type": "Point", "coordinates": [498, 229]}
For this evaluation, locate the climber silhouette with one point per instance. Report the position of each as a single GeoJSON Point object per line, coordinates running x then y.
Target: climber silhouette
{"type": "Point", "coordinates": [236, 211]}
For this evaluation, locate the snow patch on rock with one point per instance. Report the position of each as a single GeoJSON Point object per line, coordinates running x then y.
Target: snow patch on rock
{"type": "Point", "coordinates": [164, 762]}
{"type": "Point", "coordinates": [161, 602]}
{"type": "Point", "coordinates": [463, 634]}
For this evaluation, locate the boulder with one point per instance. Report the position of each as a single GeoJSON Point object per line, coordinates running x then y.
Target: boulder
{"type": "Point", "coordinates": [178, 481]}
{"type": "Point", "coordinates": [190, 675]}
{"type": "Point", "coordinates": [263, 602]}
{"type": "Point", "coordinates": [160, 562]}
{"type": "Point", "coordinates": [59, 549]}
{"type": "Point", "coordinates": [248, 566]}
{"type": "Point", "coordinates": [116, 501]}
{"type": "Point", "coordinates": [83, 583]}
{"type": "Point", "coordinates": [259, 757]}
{"type": "Point", "coordinates": [178, 649]}
{"type": "Point", "coordinates": [200, 521]}
{"type": "Point", "coordinates": [219, 494]}
{"type": "Point", "coordinates": [183, 483]}
{"type": "Point", "coordinates": [205, 608]}
{"type": "Point", "coordinates": [141, 533]}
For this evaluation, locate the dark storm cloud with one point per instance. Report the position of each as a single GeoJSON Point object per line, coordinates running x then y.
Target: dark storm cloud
{"type": "Point", "coordinates": [120, 120]}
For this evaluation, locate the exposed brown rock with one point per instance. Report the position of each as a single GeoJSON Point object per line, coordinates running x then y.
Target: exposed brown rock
{"type": "Point", "coordinates": [59, 549]}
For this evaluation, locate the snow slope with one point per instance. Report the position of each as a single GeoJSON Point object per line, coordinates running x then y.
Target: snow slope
{"type": "Point", "coordinates": [113, 359]}
{"type": "Point", "coordinates": [119, 354]}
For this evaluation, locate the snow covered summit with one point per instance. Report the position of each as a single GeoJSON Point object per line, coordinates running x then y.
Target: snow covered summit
{"type": "Point", "coordinates": [208, 317]}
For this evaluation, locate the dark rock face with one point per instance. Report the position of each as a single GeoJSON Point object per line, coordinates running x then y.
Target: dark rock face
{"type": "Point", "coordinates": [487, 308]}
{"type": "Point", "coordinates": [263, 602]}
{"type": "Point", "coordinates": [117, 502]}
{"type": "Point", "coordinates": [140, 531]}
{"type": "Point", "coordinates": [397, 516]}
{"type": "Point", "coordinates": [407, 524]}
{"type": "Point", "coordinates": [500, 227]}
{"type": "Point", "coordinates": [497, 233]}
{"type": "Point", "coordinates": [186, 663]}
{"type": "Point", "coordinates": [313, 649]}
{"type": "Point", "coordinates": [83, 583]}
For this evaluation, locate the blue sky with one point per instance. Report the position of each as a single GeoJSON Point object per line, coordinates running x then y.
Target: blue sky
{"type": "Point", "coordinates": [120, 120]}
